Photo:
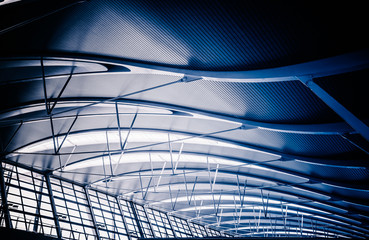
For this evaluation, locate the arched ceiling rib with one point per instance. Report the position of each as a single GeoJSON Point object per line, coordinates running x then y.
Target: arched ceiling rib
{"type": "Point", "coordinates": [196, 123]}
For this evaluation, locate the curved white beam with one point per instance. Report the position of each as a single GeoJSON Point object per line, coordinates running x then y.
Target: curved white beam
{"type": "Point", "coordinates": [318, 68]}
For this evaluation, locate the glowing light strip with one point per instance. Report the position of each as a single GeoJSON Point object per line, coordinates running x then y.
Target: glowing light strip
{"type": "Point", "coordinates": [99, 137]}
{"type": "Point", "coordinates": [144, 158]}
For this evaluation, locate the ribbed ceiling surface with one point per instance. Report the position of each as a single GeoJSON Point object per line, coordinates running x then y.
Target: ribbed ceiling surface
{"type": "Point", "coordinates": [211, 35]}
{"type": "Point", "coordinates": [214, 101]}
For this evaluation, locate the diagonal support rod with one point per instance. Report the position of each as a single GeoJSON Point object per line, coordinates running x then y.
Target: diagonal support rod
{"type": "Point", "coordinates": [185, 181]}
{"type": "Point", "coordinates": [127, 95]}
{"type": "Point", "coordinates": [179, 156]}
{"type": "Point", "coordinates": [161, 173]}
{"type": "Point", "coordinates": [193, 189]}
{"type": "Point", "coordinates": [125, 140]}
{"type": "Point", "coordinates": [28, 21]}
{"type": "Point", "coordinates": [337, 107]}
{"type": "Point", "coordinates": [171, 153]}
{"type": "Point", "coordinates": [13, 136]}
{"type": "Point", "coordinates": [67, 134]}
{"type": "Point", "coordinates": [118, 124]}
{"type": "Point", "coordinates": [61, 92]}
{"type": "Point", "coordinates": [211, 185]}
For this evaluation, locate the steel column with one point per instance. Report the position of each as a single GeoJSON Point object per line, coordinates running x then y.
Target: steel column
{"type": "Point", "coordinates": [53, 208]}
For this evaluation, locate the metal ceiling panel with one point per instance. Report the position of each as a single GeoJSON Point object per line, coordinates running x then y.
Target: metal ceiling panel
{"type": "Point", "coordinates": [212, 35]}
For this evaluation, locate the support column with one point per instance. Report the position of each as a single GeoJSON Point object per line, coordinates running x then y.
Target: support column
{"type": "Point", "coordinates": [39, 199]}
{"type": "Point", "coordinates": [92, 212]}
{"type": "Point", "coordinates": [4, 201]}
{"type": "Point", "coordinates": [53, 208]}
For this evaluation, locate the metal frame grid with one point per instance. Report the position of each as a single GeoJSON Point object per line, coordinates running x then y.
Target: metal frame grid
{"type": "Point", "coordinates": [110, 222]}
{"type": "Point", "coordinates": [180, 227]}
{"type": "Point", "coordinates": [52, 206]}
{"type": "Point", "coordinates": [198, 230]}
{"type": "Point", "coordinates": [213, 232]}
{"type": "Point", "coordinates": [159, 224]}
{"type": "Point", "coordinates": [73, 211]}
{"type": "Point", "coordinates": [28, 200]}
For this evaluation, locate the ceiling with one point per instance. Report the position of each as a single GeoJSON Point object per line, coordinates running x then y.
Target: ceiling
{"type": "Point", "coordinates": [240, 115]}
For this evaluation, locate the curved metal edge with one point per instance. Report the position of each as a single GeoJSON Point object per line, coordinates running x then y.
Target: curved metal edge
{"type": "Point", "coordinates": [323, 128]}
{"type": "Point", "coordinates": [318, 68]}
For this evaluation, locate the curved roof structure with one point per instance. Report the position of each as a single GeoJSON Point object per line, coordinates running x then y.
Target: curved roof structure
{"type": "Point", "coordinates": [248, 117]}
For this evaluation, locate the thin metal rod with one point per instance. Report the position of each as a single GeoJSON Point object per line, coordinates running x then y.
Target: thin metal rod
{"type": "Point", "coordinates": [161, 173]}
{"type": "Point", "coordinates": [47, 107]}
{"type": "Point", "coordinates": [148, 186]}
{"type": "Point", "coordinates": [215, 176]}
{"type": "Point", "coordinates": [185, 181]}
{"type": "Point", "coordinates": [244, 193]}
{"type": "Point", "coordinates": [119, 97]}
{"type": "Point", "coordinates": [179, 156]}
{"type": "Point", "coordinates": [118, 124]}
{"type": "Point", "coordinates": [141, 190]}
{"type": "Point", "coordinates": [69, 157]}
{"type": "Point", "coordinates": [170, 153]}
{"type": "Point", "coordinates": [175, 201]}
{"type": "Point", "coordinates": [364, 146]}
{"type": "Point", "coordinates": [152, 169]}
{"type": "Point", "coordinates": [67, 134]}
{"type": "Point", "coordinates": [171, 198]}
{"type": "Point", "coordinates": [125, 141]}
{"type": "Point", "coordinates": [28, 21]}
{"type": "Point", "coordinates": [53, 134]}
{"type": "Point", "coordinates": [193, 189]}
{"type": "Point", "coordinates": [109, 153]}
{"type": "Point", "coordinates": [220, 217]}
{"type": "Point", "coordinates": [61, 91]}
{"type": "Point", "coordinates": [211, 185]}
{"type": "Point", "coordinates": [219, 200]}
{"type": "Point", "coordinates": [105, 177]}
{"type": "Point", "coordinates": [239, 187]}
{"type": "Point", "coordinates": [265, 206]}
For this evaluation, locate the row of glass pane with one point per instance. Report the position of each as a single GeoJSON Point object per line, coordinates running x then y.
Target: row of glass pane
{"type": "Point", "coordinates": [84, 213]}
